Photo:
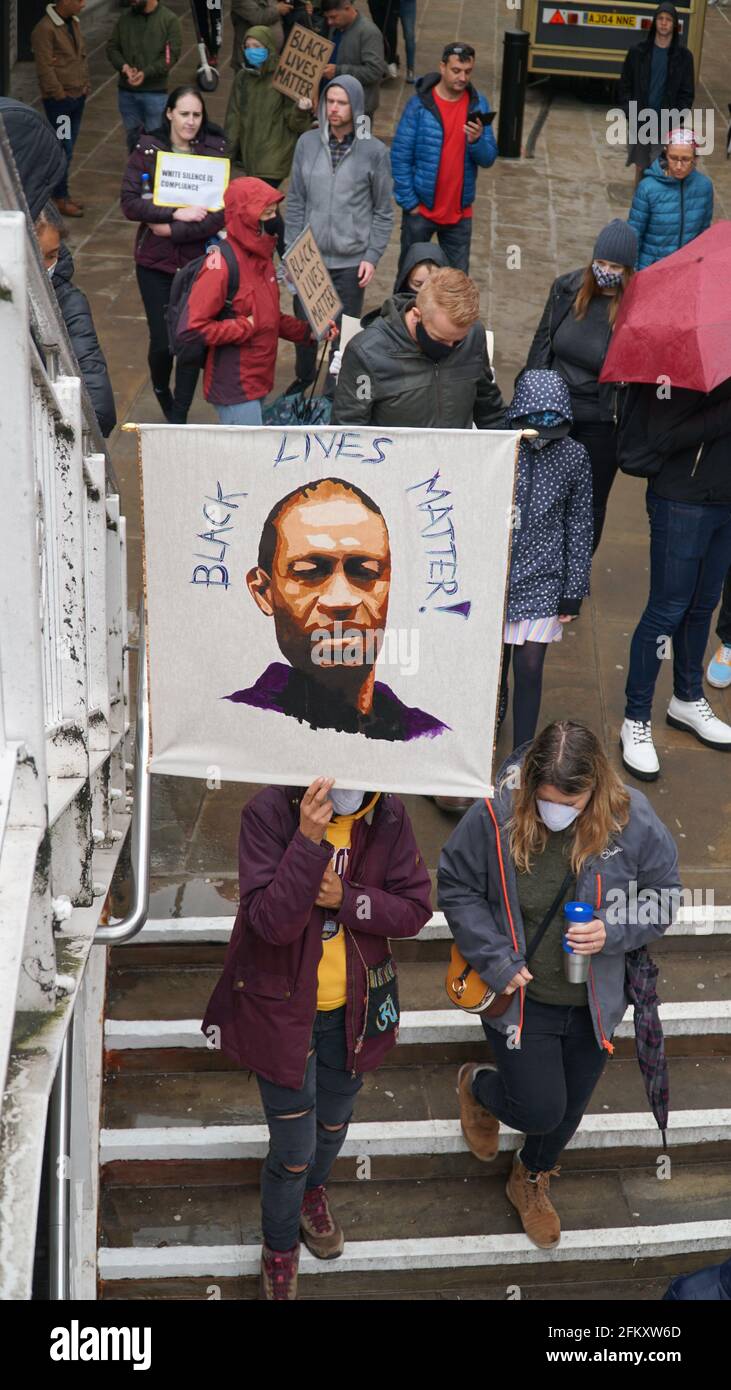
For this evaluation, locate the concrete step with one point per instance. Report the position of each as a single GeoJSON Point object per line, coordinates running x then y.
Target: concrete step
{"type": "Point", "coordinates": [701, 923]}
{"type": "Point", "coordinates": [405, 1237]}
{"type": "Point", "coordinates": [693, 1029]}
{"type": "Point", "coordinates": [170, 990]}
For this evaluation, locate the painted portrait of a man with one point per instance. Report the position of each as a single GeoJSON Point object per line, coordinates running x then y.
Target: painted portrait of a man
{"type": "Point", "coordinates": [323, 574]}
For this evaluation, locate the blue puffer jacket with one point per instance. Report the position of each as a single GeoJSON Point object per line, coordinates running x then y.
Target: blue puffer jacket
{"type": "Point", "coordinates": [417, 148]}
{"type": "Point", "coordinates": [667, 213]}
{"type": "Point", "coordinates": [550, 561]}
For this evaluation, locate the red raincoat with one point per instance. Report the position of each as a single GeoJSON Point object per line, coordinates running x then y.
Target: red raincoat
{"type": "Point", "coordinates": [241, 359]}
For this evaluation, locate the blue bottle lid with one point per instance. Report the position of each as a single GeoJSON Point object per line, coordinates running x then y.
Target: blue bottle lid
{"type": "Point", "coordinates": [579, 912]}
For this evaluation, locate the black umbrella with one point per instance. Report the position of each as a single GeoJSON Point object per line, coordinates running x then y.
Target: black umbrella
{"type": "Point", "coordinates": [641, 984]}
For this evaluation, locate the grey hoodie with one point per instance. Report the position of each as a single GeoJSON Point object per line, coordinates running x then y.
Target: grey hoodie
{"type": "Point", "coordinates": [350, 209]}
{"type": "Point", "coordinates": [478, 893]}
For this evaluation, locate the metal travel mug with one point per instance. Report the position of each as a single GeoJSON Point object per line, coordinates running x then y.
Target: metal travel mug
{"type": "Point", "coordinates": [576, 967]}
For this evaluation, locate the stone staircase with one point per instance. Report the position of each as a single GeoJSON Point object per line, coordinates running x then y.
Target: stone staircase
{"type": "Point", "coordinates": [183, 1139]}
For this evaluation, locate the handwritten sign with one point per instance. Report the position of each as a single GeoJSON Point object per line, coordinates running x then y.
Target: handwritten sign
{"type": "Point", "coordinates": [268, 676]}
{"type": "Point", "coordinates": [301, 64]}
{"type": "Point", "coordinates": [317, 293]}
{"type": "Point", "coordinates": [190, 180]}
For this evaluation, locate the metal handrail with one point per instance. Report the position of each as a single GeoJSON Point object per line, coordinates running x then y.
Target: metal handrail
{"type": "Point", "coordinates": [59, 1228]}
{"type": "Point", "coordinates": [113, 933]}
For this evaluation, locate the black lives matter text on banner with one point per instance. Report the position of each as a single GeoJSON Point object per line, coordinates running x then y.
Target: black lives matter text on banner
{"type": "Point", "coordinates": [316, 291]}
{"type": "Point", "coordinates": [301, 64]}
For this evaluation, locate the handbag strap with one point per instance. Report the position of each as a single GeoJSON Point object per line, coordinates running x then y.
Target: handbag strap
{"type": "Point", "coordinates": [547, 920]}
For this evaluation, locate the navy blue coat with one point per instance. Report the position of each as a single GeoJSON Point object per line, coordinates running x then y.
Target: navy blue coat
{"type": "Point", "coordinates": [550, 561]}
{"type": "Point", "coordinates": [667, 213]}
{"type": "Point", "coordinates": [417, 148]}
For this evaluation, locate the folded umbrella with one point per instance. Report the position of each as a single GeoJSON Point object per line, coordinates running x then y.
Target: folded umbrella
{"type": "Point", "coordinates": [675, 318]}
{"type": "Point", "coordinates": [641, 985]}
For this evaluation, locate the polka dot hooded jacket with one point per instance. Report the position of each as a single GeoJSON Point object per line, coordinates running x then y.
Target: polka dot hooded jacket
{"type": "Point", "coordinates": [552, 541]}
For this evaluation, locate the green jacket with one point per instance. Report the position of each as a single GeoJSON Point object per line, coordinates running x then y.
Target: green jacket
{"type": "Point", "coordinates": [151, 42]}
{"type": "Point", "coordinates": [262, 126]}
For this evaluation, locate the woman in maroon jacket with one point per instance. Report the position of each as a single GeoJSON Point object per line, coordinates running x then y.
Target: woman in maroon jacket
{"type": "Point", "coordinates": [168, 238]}
{"type": "Point", "coordinates": [308, 997]}
{"type": "Point", "coordinates": [242, 350]}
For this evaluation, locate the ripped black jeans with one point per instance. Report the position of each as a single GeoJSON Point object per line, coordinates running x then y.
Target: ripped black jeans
{"type": "Point", "coordinates": [327, 1099]}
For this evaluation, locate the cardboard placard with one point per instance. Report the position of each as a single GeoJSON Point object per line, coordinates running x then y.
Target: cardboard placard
{"type": "Point", "coordinates": [316, 291]}
{"type": "Point", "coordinates": [190, 180]}
{"type": "Point", "coordinates": [301, 64]}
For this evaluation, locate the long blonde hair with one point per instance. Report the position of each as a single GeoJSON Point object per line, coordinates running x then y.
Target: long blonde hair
{"type": "Point", "coordinates": [589, 289]}
{"type": "Point", "coordinates": [569, 757]}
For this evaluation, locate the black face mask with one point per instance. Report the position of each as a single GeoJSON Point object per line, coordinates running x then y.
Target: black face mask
{"type": "Point", "coordinates": [431, 347]}
{"type": "Point", "coordinates": [270, 226]}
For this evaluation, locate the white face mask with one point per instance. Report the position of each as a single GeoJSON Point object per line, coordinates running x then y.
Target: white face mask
{"type": "Point", "coordinates": [345, 803]}
{"type": "Point", "coordinates": [556, 816]}
{"type": "Point", "coordinates": [50, 269]}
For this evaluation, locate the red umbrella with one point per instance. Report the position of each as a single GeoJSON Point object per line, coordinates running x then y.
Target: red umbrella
{"type": "Point", "coordinates": [675, 318]}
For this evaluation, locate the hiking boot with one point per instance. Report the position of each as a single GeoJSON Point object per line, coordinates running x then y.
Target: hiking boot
{"type": "Point", "coordinates": [638, 750]}
{"type": "Point", "coordinates": [480, 1129]}
{"type": "Point", "coordinates": [278, 1276]}
{"type": "Point", "coordinates": [697, 717]}
{"type": "Point", "coordinates": [529, 1195]}
{"type": "Point", "coordinates": [320, 1232]}
{"type": "Point", "coordinates": [68, 208]}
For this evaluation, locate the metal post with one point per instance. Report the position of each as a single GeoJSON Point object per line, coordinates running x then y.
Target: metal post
{"type": "Point", "coordinates": [59, 1177]}
{"type": "Point", "coordinates": [512, 93]}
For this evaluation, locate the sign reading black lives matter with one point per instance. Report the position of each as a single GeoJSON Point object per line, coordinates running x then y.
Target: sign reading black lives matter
{"type": "Point", "coordinates": [326, 602]}
{"type": "Point", "coordinates": [317, 293]}
{"type": "Point", "coordinates": [301, 64]}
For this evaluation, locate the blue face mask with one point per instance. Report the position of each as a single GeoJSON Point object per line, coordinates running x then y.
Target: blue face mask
{"type": "Point", "coordinates": [256, 57]}
{"type": "Point", "coordinates": [535, 418]}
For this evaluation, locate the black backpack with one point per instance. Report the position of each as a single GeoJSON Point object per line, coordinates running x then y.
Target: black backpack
{"type": "Point", "coordinates": [188, 347]}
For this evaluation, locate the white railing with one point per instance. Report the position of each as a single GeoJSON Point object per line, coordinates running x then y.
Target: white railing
{"type": "Point", "coordinates": [64, 724]}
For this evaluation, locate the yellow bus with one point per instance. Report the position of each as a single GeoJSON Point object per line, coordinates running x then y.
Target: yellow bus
{"type": "Point", "coordinates": [591, 39]}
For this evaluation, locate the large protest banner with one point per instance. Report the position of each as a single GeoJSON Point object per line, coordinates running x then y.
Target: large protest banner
{"type": "Point", "coordinates": [311, 277]}
{"type": "Point", "coordinates": [190, 180]}
{"type": "Point", "coordinates": [301, 64]}
{"type": "Point", "coordinates": [326, 602]}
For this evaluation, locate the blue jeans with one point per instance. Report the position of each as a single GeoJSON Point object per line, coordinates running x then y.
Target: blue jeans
{"type": "Point", "coordinates": [543, 1087]}
{"type": "Point", "coordinates": [690, 553]}
{"type": "Point", "coordinates": [326, 1098]}
{"type": "Point", "coordinates": [454, 239]}
{"type": "Point", "coordinates": [72, 109]}
{"type": "Point", "coordinates": [141, 110]}
{"type": "Point", "coordinates": [242, 413]}
{"type": "Point", "coordinates": [408, 24]}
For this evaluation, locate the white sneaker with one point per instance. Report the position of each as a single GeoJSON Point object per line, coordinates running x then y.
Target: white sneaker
{"type": "Point", "coordinates": [697, 717]}
{"type": "Point", "coordinates": [638, 750]}
{"type": "Point", "coordinates": [392, 70]}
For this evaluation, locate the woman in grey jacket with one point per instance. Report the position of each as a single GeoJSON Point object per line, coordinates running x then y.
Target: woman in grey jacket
{"type": "Point", "coordinates": [561, 826]}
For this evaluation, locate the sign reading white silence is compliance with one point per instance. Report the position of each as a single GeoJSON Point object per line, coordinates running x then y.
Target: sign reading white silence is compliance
{"type": "Point", "coordinates": [326, 602]}
{"type": "Point", "coordinates": [190, 180]}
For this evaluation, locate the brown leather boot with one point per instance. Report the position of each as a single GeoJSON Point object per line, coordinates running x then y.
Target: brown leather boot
{"type": "Point", "coordinates": [321, 1233]}
{"type": "Point", "coordinates": [534, 1207]}
{"type": "Point", "coordinates": [480, 1129]}
{"type": "Point", "coordinates": [278, 1276]}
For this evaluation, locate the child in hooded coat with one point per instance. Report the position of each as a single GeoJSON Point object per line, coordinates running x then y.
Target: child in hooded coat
{"type": "Point", "coordinates": [552, 541]}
